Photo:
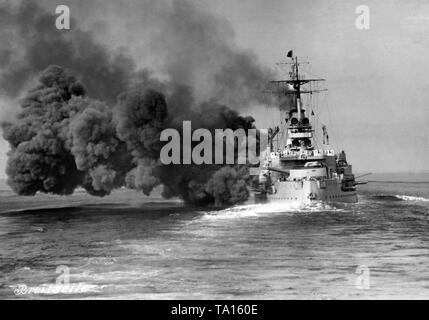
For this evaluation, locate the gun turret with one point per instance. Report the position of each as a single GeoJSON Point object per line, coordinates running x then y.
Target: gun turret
{"type": "Point", "coordinates": [278, 170]}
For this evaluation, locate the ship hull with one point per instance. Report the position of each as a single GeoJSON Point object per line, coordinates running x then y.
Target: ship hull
{"type": "Point", "coordinates": [307, 191]}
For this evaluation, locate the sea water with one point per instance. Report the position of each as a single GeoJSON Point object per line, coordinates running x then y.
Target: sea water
{"type": "Point", "coordinates": [128, 246]}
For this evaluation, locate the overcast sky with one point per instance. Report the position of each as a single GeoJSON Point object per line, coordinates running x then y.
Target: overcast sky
{"type": "Point", "coordinates": [378, 79]}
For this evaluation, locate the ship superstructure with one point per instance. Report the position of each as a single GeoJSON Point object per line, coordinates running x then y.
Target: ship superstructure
{"type": "Point", "coordinates": [298, 171]}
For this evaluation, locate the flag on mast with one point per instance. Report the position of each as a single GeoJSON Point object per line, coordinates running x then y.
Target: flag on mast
{"type": "Point", "coordinates": [290, 54]}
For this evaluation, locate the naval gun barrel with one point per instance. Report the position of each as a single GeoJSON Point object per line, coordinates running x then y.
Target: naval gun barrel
{"type": "Point", "coordinates": [278, 170]}
{"type": "Point", "coordinates": [363, 175]}
{"type": "Point", "coordinates": [360, 182]}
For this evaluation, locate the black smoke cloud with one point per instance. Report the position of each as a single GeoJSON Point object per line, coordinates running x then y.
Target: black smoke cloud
{"type": "Point", "coordinates": [198, 49]}
{"type": "Point", "coordinates": [30, 43]}
{"type": "Point", "coordinates": [93, 119]}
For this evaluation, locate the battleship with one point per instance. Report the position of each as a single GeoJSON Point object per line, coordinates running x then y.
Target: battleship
{"type": "Point", "coordinates": [298, 170]}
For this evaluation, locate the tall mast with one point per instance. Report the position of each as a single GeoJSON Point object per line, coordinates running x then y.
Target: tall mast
{"type": "Point", "coordinates": [296, 83]}
{"type": "Point", "coordinates": [299, 128]}
{"type": "Point", "coordinates": [297, 87]}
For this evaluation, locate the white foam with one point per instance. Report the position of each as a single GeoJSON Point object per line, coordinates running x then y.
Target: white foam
{"type": "Point", "coordinates": [257, 210]}
{"type": "Point", "coordinates": [411, 198]}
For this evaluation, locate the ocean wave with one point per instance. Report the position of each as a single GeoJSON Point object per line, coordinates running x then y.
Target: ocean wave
{"type": "Point", "coordinates": [257, 210]}
{"type": "Point", "coordinates": [386, 198]}
{"type": "Point", "coordinates": [411, 198]}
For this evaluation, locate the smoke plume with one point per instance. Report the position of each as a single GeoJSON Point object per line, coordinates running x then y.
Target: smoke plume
{"type": "Point", "coordinates": [92, 117]}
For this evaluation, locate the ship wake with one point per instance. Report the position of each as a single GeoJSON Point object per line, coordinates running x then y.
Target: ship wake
{"type": "Point", "coordinates": [399, 197]}
{"type": "Point", "coordinates": [412, 198]}
{"type": "Point", "coordinates": [276, 208]}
